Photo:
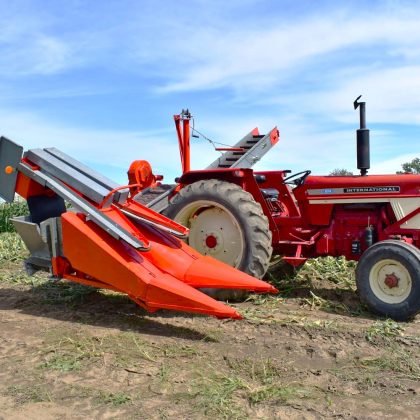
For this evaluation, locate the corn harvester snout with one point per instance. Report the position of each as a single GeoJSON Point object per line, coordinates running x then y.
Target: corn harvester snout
{"type": "Point", "coordinates": [84, 228]}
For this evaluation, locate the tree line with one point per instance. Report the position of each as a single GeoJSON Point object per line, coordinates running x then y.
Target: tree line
{"type": "Point", "coordinates": [412, 167]}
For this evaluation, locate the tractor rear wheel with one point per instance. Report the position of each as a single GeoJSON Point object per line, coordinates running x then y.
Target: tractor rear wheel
{"type": "Point", "coordinates": [226, 223]}
{"type": "Point", "coordinates": [388, 279]}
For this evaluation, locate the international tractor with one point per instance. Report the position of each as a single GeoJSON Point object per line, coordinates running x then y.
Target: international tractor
{"type": "Point", "coordinates": [245, 218]}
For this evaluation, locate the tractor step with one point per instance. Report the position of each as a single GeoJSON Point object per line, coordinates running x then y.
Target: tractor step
{"type": "Point", "coordinates": [294, 261]}
{"type": "Point", "coordinates": [156, 198]}
{"type": "Point", "coordinates": [148, 195]}
{"type": "Point", "coordinates": [254, 146]}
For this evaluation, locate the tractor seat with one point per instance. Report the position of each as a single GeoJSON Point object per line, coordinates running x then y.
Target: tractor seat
{"type": "Point", "coordinates": [270, 193]}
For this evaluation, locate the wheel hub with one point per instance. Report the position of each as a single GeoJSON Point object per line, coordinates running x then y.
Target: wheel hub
{"type": "Point", "coordinates": [211, 241]}
{"type": "Point", "coordinates": [391, 280]}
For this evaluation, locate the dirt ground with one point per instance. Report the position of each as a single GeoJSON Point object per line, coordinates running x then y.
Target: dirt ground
{"type": "Point", "coordinates": [71, 352]}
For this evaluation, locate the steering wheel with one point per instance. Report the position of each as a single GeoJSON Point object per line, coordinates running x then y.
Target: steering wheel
{"type": "Point", "coordinates": [300, 178]}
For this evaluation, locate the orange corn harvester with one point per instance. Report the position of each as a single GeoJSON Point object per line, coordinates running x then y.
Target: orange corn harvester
{"type": "Point", "coordinates": [104, 238]}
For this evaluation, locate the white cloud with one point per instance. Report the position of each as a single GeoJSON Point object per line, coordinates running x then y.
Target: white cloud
{"type": "Point", "coordinates": [95, 147]}
{"type": "Point", "coordinates": [256, 58]}
{"type": "Point", "coordinates": [290, 72]}
{"type": "Point", "coordinates": [393, 95]}
{"type": "Point", "coordinates": [304, 144]}
{"type": "Point", "coordinates": [27, 47]}
{"type": "Point", "coordinates": [40, 55]}
{"type": "Point", "coordinates": [391, 166]}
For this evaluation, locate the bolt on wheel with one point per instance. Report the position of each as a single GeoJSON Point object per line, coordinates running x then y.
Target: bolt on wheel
{"type": "Point", "coordinates": [390, 281]}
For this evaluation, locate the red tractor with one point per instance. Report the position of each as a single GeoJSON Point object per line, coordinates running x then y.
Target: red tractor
{"type": "Point", "coordinates": [244, 217]}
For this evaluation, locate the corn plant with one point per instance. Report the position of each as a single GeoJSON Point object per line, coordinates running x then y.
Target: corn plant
{"type": "Point", "coordinates": [10, 210]}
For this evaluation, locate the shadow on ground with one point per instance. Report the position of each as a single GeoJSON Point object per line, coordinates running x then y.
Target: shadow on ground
{"type": "Point", "coordinates": [75, 303]}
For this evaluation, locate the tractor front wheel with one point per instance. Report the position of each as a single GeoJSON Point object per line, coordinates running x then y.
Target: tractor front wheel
{"type": "Point", "coordinates": [226, 223]}
{"type": "Point", "coordinates": [388, 279]}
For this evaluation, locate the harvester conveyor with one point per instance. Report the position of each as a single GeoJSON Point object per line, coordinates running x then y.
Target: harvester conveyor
{"type": "Point", "coordinates": [108, 240]}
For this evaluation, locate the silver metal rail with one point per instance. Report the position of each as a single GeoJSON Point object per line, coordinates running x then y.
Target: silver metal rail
{"type": "Point", "coordinates": [100, 219]}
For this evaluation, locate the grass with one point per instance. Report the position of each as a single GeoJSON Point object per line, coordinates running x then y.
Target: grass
{"type": "Point", "coordinates": [70, 353]}
{"type": "Point", "coordinates": [24, 394]}
{"type": "Point", "coordinates": [115, 399]}
{"type": "Point", "coordinates": [302, 284]}
{"type": "Point", "coordinates": [63, 292]}
{"type": "Point", "coordinates": [387, 330]}
{"type": "Point", "coordinates": [214, 395]}
{"type": "Point", "coordinates": [12, 251]}
{"type": "Point", "coordinates": [12, 247]}
{"type": "Point", "coordinates": [244, 383]}
{"type": "Point", "coordinates": [390, 360]}
{"type": "Point", "coordinates": [337, 271]}
{"type": "Point", "coordinates": [177, 351]}
{"type": "Point", "coordinates": [10, 210]}
{"type": "Point", "coordinates": [62, 362]}
{"type": "Point", "coordinates": [325, 283]}
{"type": "Point", "coordinates": [74, 351]}
{"type": "Point", "coordinates": [37, 393]}
{"type": "Point", "coordinates": [316, 302]}
{"type": "Point", "coordinates": [164, 373]}
{"type": "Point", "coordinates": [19, 277]}
{"type": "Point", "coordinates": [317, 324]}
{"type": "Point", "coordinates": [51, 291]}
{"type": "Point", "coordinates": [279, 393]}
{"type": "Point", "coordinates": [397, 360]}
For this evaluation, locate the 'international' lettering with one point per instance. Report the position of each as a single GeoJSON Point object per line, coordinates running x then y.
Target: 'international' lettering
{"type": "Point", "coordinates": [356, 190]}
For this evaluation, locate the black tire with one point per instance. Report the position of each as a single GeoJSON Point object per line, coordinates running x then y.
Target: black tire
{"type": "Point", "coordinates": [248, 221]}
{"type": "Point", "coordinates": [397, 263]}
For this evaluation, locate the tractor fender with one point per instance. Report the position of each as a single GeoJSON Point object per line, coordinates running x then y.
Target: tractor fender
{"type": "Point", "coordinates": [233, 175]}
{"type": "Point", "coordinates": [243, 177]}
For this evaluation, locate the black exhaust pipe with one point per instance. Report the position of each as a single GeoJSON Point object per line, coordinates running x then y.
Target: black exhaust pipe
{"type": "Point", "coordinates": [363, 149]}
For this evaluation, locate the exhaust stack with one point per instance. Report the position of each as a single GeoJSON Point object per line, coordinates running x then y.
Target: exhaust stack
{"type": "Point", "coordinates": [363, 149]}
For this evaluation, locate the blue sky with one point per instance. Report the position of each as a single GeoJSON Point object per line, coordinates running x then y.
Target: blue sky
{"type": "Point", "coordinates": [102, 80]}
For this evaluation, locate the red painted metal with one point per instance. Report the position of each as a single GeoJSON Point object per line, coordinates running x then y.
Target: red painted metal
{"type": "Point", "coordinates": [183, 134]}
{"type": "Point", "coordinates": [138, 209]}
{"type": "Point", "coordinates": [274, 135]}
{"type": "Point", "coordinates": [391, 280]}
{"type": "Point", "coordinates": [325, 215]}
{"type": "Point", "coordinates": [211, 241]}
{"type": "Point", "coordinates": [140, 176]}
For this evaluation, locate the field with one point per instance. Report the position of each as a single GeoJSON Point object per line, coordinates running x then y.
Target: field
{"type": "Point", "coordinates": [69, 352]}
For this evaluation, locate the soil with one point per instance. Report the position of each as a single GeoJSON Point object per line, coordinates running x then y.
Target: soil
{"type": "Point", "coordinates": [71, 352]}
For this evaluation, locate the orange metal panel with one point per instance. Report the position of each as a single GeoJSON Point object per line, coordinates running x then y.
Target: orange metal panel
{"type": "Point", "coordinates": [175, 257]}
{"type": "Point", "coordinates": [27, 187]}
{"type": "Point", "coordinates": [92, 251]}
